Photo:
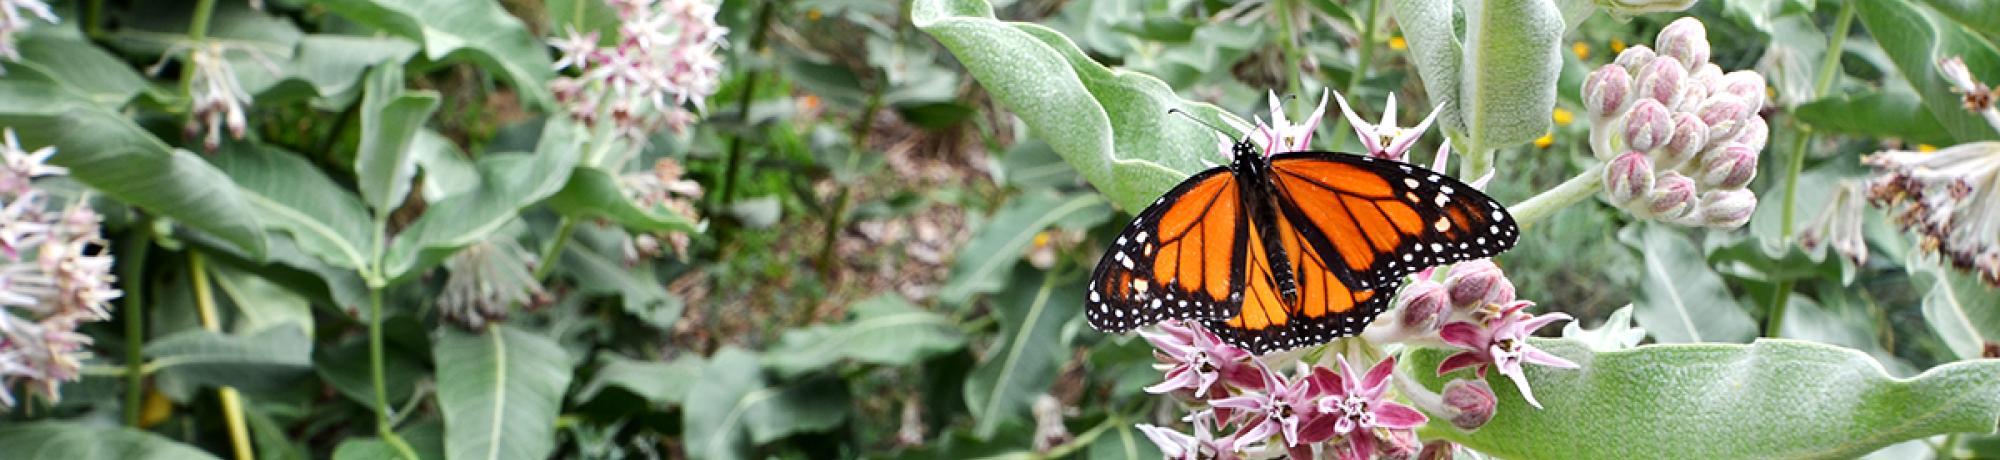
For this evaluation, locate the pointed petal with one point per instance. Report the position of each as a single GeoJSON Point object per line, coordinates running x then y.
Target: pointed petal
{"type": "Point", "coordinates": [1389, 111]}
{"type": "Point", "coordinates": [1325, 381]}
{"type": "Point", "coordinates": [1260, 430]}
{"type": "Point", "coordinates": [1531, 325]}
{"type": "Point", "coordinates": [1278, 111]}
{"type": "Point", "coordinates": [1250, 402]}
{"type": "Point", "coordinates": [1178, 378]}
{"type": "Point", "coordinates": [1408, 138]}
{"type": "Point", "coordinates": [1312, 120]}
{"type": "Point", "coordinates": [1398, 416]}
{"type": "Point", "coordinates": [1379, 376]}
{"type": "Point", "coordinates": [1303, 451]}
{"type": "Point", "coordinates": [1521, 382]}
{"type": "Point", "coordinates": [1444, 152]}
{"type": "Point", "coordinates": [1172, 443]}
{"type": "Point", "coordinates": [1362, 129]}
{"type": "Point", "coordinates": [1537, 356]}
{"type": "Point", "coordinates": [1463, 335]}
{"type": "Point", "coordinates": [1459, 361]}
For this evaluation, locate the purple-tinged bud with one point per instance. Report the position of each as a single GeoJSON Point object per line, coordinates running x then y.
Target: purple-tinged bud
{"type": "Point", "coordinates": [1648, 125]}
{"type": "Point", "coordinates": [1469, 403]}
{"type": "Point", "coordinates": [1707, 74]}
{"type": "Point", "coordinates": [1725, 115]}
{"type": "Point", "coordinates": [1754, 133]}
{"type": "Point", "coordinates": [1661, 80]}
{"type": "Point", "coordinates": [1628, 177]}
{"type": "Point", "coordinates": [1730, 166]}
{"type": "Point", "coordinates": [1673, 196]}
{"type": "Point", "coordinates": [1606, 91]}
{"type": "Point", "coordinates": [1399, 445]}
{"type": "Point", "coordinates": [1425, 306]}
{"type": "Point", "coordinates": [1438, 450]}
{"type": "Point", "coordinates": [1686, 41]}
{"type": "Point", "coordinates": [1474, 284]}
{"type": "Point", "coordinates": [1690, 137]}
{"type": "Point", "coordinates": [1726, 208]}
{"type": "Point", "coordinates": [1693, 94]}
{"type": "Point", "coordinates": [1745, 84]}
{"type": "Point", "coordinates": [1634, 58]}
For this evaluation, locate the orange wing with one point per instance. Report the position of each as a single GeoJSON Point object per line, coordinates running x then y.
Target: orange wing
{"type": "Point", "coordinates": [1352, 227]}
{"type": "Point", "coordinates": [1181, 258]}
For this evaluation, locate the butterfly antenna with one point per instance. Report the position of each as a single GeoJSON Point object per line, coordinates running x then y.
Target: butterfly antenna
{"type": "Point", "coordinates": [1199, 121]}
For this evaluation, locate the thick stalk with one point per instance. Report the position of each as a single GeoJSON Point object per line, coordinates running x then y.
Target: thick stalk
{"type": "Point", "coordinates": [383, 426]}
{"type": "Point", "coordinates": [1288, 44]}
{"type": "Point", "coordinates": [733, 168]}
{"type": "Point", "coordinates": [1781, 295]}
{"type": "Point", "coordinates": [133, 280]}
{"type": "Point", "coordinates": [1579, 188]}
{"type": "Point", "coordinates": [547, 263]}
{"type": "Point", "coordinates": [860, 144]}
{"type": "Point", "coordinates": [1365, 57]}
{"type": "Point", "coordinates": [232, 402]}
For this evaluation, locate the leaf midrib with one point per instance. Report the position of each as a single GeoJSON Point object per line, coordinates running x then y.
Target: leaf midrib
{"type": "Point", "coordinates": [499, 392]}
{"type": "Point", "coordinates": [1680, 307]}
{"type": "Point", "coordinates": [1014, 349]}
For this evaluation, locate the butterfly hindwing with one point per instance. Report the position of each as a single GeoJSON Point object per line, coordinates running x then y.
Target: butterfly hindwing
{"type": "Point", "coordinates": [1181, 258]}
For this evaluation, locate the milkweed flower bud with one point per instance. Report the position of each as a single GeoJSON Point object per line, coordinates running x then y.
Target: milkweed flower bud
{"type": "Point", "coordinates": [1473, 284]}
{"type": "Point", "coordinates": [1726, 208]}
{"type": "Point", "coordinates": [1747, 85]}
{"type": "Point", "coordinates": [1755, 133]}
{"type": "Point", "coordinates": [1725, 115]}
{"type": "Point", "coordinates": [1686, 41]}
{"type": "Point", "coordinates": [1628, 178]}
{"type": "Point", "coordinates": [1690, 136]}
{"type": "Point", "coordinates": [1424, 306]}
{"type": "Point", "coordinates": [1469, 404]}
{"type": "Point", "coordinates": [1604, 93]}
{"type": "Point", "coordinates": [1673, 196]}
{"type": "Point", "coordinates": [1648, 125]}
{"type": "Point", "coordinates": [1634, 58]}
{"type": "Point", "coordinates": [1438, 450]}
{"type": "Point", "coordinates": [1662, 80]}
{"type": "Point", "coordinates": [1730, 166]}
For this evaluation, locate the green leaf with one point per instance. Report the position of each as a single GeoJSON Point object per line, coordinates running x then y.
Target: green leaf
{"type": "Point", "coordinates": [1916, 39]}
{"type": "Point", "coordinates": [262, 302]}
{"type": "Point", "coordinates": [1123, 441]}
{"type": "Point", "coordinates": [730, 408]}
{"type": "Point", "coordinates": [104, 149]}
{"type": "Point", "coordinates": [1507, 84]}
{"type": "Point", "coordinates": [264, 359]}
{"type": "Point", "coordinates": [344, 366]}
{"type": "Point", "coordinates": [1680, 298]}
{"type": "Point", "coordinates": [390, 120]}
{"type": "Point", "coordinates": [1024, 362]}
{"type": "Point", "coordinates": [295, 197]}
{"type": "Point", "coordinates": [1975, 14]}
{"type": "Point", "coordinates": [1434, 46]}
{"type": "Point", "coordinates": [1773, 398]}
{"type": "Point", "coordinates": [640, 293]}
{"type": "Point", "coordinates": [507, 183]}
{"type": "Point", "coordinates": [480, 31]}
{"type": "Point", "coordinates": [273, 442]}
{"type": "Point", "coordinates": [500, 391]}
{"type": "Point", "coordinates": [886, 330]}
{"type": "Point", "coordinates": [1112, 125]}
{"type": "Point", "coordinates": [983, 265]}
{"type": "Point", "coordinates": [425, 438]}
{"type": "Point", "coordinates": [1964, 312]}
{"type": "Point", "coordinates": [661, 383]}
{"type": "Point", "coordinates": [74, 441]}
{"type": "Point", "coordinates": [1883, 113]}
{"type": "Point", "coordinates": [328, 69]}
{"type": "Point", "coordinates": [82, 67]}
{"type": "Point", "coordinates": [594, 194]}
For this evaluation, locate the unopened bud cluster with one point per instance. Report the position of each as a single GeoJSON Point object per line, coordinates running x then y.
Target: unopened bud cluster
{"type": "Point", "coordinates": [1681, 138]}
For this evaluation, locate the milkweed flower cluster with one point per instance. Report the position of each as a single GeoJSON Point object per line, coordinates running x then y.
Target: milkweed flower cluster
{"type": "Point", "coordinates": [1947, 197]}
{"type": "Point", "coordinates": [664, 60]}
{"type": "Point", "coordinates": [55, 274]}
{"type": "Point", "coordinates": [1838, 225]}
{"type": "Point", "coordinates": [661, 187]}
{"type": "Point", "coordinates": [219, 100]}
{"type": "Point", "coordinates": [1681, 138]}
{"type": "Point", "coordinates": [486, 278]}
{"type": "Point", "coordinates": [14, 21]}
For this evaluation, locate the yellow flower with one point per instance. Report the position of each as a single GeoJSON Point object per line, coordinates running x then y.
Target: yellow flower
{"type": "Point", "coordinates": [814, 14]}
{"type": "Point", "coordinates": [1926, 148]}
{"type": "Point", "coordinates": [1545, 141]}
{"type": "Point", "coordinates": [1398, 44]}
{"type": "Point", "coordinates": [154, 409]}
{"type": "Point", "coordinates": [1581, 49]}
{"type": "Point", "coordinates": [1617, 46]}
{"type": "Point", "coordinates": [1041, 239]}
{"type": "Point", "coordinates": [1562, 116]}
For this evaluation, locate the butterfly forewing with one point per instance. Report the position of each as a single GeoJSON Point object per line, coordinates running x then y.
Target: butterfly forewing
{"type": "Point", "coordinates": [1181, 258]}
{"type": "Point", "coordinates": [1351, 228]}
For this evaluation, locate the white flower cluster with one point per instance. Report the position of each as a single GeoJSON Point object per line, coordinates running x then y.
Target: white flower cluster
{"type": "Point", "coordinates": [12, 21]}
{"type": "Point", "coordinates": [487, 278]}
{"type": "Point", "coordinates": [55, 273]}
{"type": "Point", "coordinates": [664, 60]}
{"type": "Point", "coordinates": [1682, 138]}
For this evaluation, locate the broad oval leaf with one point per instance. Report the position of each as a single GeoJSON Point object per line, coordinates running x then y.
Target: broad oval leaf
{"type": "Point", "coordinates": [1886, 113]}
{"type": "Point", "coordinates": [732, 408]}
{"type": "Point", "coordinates": [1773, 398]}
{"type": "Point", "coordinates": [1024, 362]}
{"type": "Point", "coordinates": [886, 330]}
{"type": "Point", "coordinates": [323, 219]}
{"type": "Point", "coordinates": [75, 441]}
{"type": "Point", "coordinates": [1507, 82]}
{"type": "Point", "coordinates": [1964, 311]}
{"type": "Point", "coordinates": [984, 264]}
{"type": "Point", "coordinates": [1437, 53]}
{"type": "Point", "coordinates": [390, 120]}
{"type": "Point", "coordinates": [500, 391]}
{"type": "Point", "coordinates": [507, 183]}
{"type": "Point", "coordinates": [594, 193]}
{"type": "Point", "coordinates": [661, 383]}
{"type": "Point", "coordinates": [261, 360]}
{"type": "Point", "coordinates": [479, 30]}
{"type": "Point", "coordinates": [1680, 298]}
{"type": "Point", "coordinates": [1112, 125]}
{"type": "Point", "coordinates": [1916, 39]}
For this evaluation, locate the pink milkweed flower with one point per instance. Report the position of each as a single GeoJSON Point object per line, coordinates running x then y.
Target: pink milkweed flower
{"type": "Point", "coordinates": [1386, 140]}
{"type": "Point", "coordinates": [1354, 405]}
{"type": "Point", "coordinates": [1202, 445]}
{"type": "Point", "coordinates": [1197, 359]}
{"type": "Point", "coordinates": [1502, 342]}
{"type": "Point", "coordinates": [1284, 408]}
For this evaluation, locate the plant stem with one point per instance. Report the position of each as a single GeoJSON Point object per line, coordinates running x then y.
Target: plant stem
{"type": "Point", "coordinates": [862, 129]}
{"type": "Point", "coordinates": [383, 426]}
{"type": "Point", "coordinates": [232, 402]}
{"type": "Point", "coordinates": [1361, 62]}
{"type": "Point", "coordinates": [1288, 44]}
{"type": "Point", "coordinates": [1534, 209]}
{"type": "Point", "coordinates": [546, 265]}
{"type": "Point", "coordinates": [733, 168]}
{"type": "Point", "coordinates": [1781, 295]}
{"type": "Point", "coordinates": [133, 280]}
{"type": "Point", "coordinates": [93, 19]}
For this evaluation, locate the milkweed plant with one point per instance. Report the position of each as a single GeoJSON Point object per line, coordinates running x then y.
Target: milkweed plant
{"type": "Point", "coordinates": [723, 229]}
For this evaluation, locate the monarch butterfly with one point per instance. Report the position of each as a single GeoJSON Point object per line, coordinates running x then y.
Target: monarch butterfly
{"type": "Point", "coordinates": [1289, 250]}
